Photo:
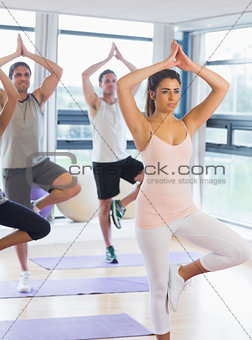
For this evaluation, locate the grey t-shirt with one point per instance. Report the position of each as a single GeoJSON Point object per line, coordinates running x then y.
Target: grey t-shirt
{"type": "Point", "coordinates": [23, 136]}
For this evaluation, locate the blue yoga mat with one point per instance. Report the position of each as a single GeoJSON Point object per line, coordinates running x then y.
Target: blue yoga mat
{"type": "Point", "coordinates": [98, 261]}
{"type": "Point", "coordinates": [104, 285]}
{"type": "Point", "coordinates": [74, 328]}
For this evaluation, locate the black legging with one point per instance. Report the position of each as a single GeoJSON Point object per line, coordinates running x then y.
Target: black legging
{"type": "Point", "coordinates": [17, 216]}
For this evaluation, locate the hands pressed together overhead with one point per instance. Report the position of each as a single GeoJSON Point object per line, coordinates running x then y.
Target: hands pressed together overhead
{"type": "Point", "coordinates": [21, 49]}
{"type": "Point", "coordinates": [178, 58]}
{"type": "Point", "coordinates": [114, 52]}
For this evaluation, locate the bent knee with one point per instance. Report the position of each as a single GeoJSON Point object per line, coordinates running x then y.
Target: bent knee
{"type": "Point", "coordinates": [242, 253]}
{"type": "Point", "coordinates": [71, 192]}
{"type": "Point", "coordinates": [75, 190]}
{"type": "Point", "coordinates": [43, 230]}
{"type": "Point", "coordinates": [246, 253]}
{"type": "Point", "coordinates": [139, 177]}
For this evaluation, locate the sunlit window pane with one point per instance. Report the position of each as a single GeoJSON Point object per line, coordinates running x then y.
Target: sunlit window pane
{"type": "Point", "coordinates": [215, 135]}
{"type": "Point", "coordinates": [242, 138]}
{"type": "Point", "coordinates": [236, 44]}
{"type": "Point", "coordinates": [74, 132]}
{"type": "Point", "coordinates": [10, 43]}
{"type": "Point", "coordinates": [231, 197]}
{"type": "Point", "coordinates": [17, 18]}
{"type": "Point", "coordinates": [238, 99]}
{"type": "Point", "coordinates": [89, 50]}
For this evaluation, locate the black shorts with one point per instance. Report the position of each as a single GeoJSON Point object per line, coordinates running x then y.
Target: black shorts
{"type": "Point", "coordinates": [107, 175]}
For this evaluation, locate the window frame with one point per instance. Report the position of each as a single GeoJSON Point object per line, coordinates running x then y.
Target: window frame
{"type": "Point", "coordinates": [17, 28]}
{"type": "Point", "coordinates": [80, 117]}
{"type": "Point", "coordinates": [231, 123]}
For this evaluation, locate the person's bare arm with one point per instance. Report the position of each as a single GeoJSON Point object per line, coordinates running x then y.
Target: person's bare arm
{"type": "Point", "coordinates": [11, 97]}
{"type": "Point", "coordinates": [49, 85]}
{"type": "Point", "coordinates": [3, 98]}
{"type": "Point", "coordinates": [16, 54]}
{"type": "Point", "coordinates": [91, 98]}
{"type": "Point", "coordinates": [136, 122]}
{"type": "Point", "coordinates": [195, 118]}
{"type": "Point", "coordinates": [129, 65]}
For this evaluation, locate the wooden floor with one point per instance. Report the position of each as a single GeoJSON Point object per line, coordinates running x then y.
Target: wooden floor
{"type": "Point", "coordinates": [217, 306]}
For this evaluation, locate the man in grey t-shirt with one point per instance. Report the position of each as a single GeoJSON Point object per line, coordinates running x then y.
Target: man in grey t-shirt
{"type": "Point", "coordinates": [23, 137]}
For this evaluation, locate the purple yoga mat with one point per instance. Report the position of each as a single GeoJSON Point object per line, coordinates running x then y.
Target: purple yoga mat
{"type": "Point", "coordinates": [98, 261]}
{"type": "Point", "coordinates": [75, 328]}
{"type": "Point", "coordinates": [104, 285]}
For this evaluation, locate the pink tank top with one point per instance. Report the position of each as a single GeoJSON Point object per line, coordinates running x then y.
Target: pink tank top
{"type": "Point", "coordinates": [165, 194]}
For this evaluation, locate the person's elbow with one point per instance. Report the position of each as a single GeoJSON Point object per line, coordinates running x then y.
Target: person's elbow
{"type": "Point", "coordinates": [222, 87]}
{"type": "Point", "coordinates": [60, 72]}
{"type": "Point", "coordinates": [120, 85]}
{"type": "Point", "coordinates": [85, 75]}
{"type": "Point", "coordinates": [225, 88]}
{"type": "Point", "coordinates": [225, 85]}
{"type": "Point", "coordinates": [119, 89]}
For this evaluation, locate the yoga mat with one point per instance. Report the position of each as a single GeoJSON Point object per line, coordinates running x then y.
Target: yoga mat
{"type": "Point", "coordinates": [104, 285]}
{"type": "Point", "coordinates": [98, 261]}
{"type": "Point", "coordinates": [74, 328]}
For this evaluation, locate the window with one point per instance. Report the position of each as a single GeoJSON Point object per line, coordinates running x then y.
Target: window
{"type": "Point", "coordinates": [13, 17]}
{"type": "Point", "coordinates": [88, 49]}
{"type": "Point", "coordinates": [105, 26]}
{"type": "Point", "coordinates": [230, 55]}
{"type": "Point", "coordinates": [229, 130]}
{"type": "Point", "coordinates": [238, 100]}
{"type": "Point", "coordinates": [216, 135]}
{"type": "Point", "coordinates": [237, 44]}
{"type": "Point", "coordinates": [228, 195]}
{"type": "Point", "coordinates": [88, 42]}
{"type": "Point", "coordinates": [14, 22]}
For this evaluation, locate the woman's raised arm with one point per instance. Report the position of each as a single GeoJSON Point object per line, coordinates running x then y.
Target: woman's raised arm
{"type": "Point", "coordinates": [135, 120]}
{"type": "Point", "coordinates": [202, 112]}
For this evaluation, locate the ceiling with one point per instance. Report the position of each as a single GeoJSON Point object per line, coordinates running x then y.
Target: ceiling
{"type": "Point", "coordinates": [193, 14]}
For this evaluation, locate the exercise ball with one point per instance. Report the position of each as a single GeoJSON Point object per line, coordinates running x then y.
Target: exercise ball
{"type": "Point", "coordinates": [83, 206]}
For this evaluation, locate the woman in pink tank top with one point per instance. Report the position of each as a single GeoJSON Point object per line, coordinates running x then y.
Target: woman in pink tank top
{"type": "Point", "coordinates": [164, 204]}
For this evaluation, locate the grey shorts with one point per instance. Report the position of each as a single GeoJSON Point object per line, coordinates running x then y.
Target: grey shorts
{"type": "Point", "coordinates": [18, 189]}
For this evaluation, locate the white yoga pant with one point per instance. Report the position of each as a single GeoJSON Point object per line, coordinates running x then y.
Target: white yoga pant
{"type": "Point", "coordinates": [227, 249]}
